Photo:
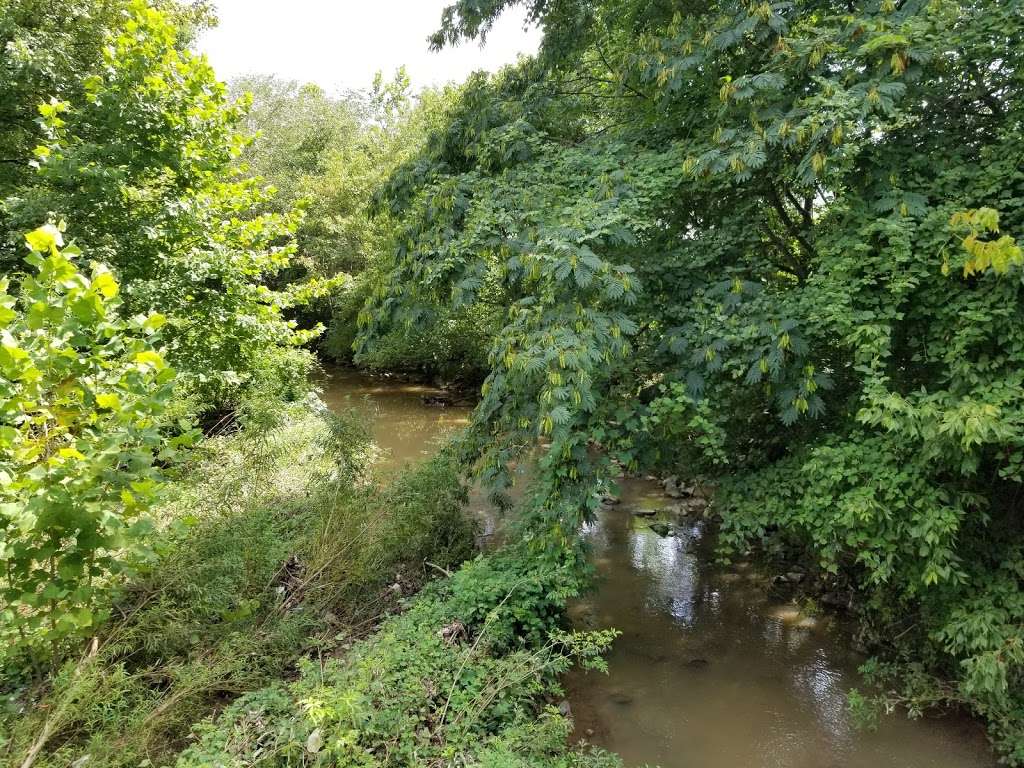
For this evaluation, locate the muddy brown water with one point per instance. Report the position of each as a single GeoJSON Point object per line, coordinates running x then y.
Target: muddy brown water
{"type": "Point", "coordinates": [713, 669]}
{"type": "Point", "coordinates": [401, 424]}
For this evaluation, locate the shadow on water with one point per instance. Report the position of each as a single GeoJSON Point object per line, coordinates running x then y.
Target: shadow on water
{"type": "Point", "coordinates": [711, 671]}
{"type": "Point", "coordinates": [402, 425]}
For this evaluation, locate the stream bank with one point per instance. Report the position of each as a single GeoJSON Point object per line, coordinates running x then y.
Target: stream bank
{"type": "Point", "coordinates": [712, 670]}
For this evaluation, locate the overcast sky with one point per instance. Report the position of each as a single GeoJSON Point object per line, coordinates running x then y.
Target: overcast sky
{"type": "Point", "coordinates": [341, 43]}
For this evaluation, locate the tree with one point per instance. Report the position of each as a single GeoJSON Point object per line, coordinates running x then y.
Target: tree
{"type": "Point", "coordinates": [142, 162]}
{"type": "Point", "coordinates": [725, 236]}
{"type": "Point", "coordinates": [46, 51]}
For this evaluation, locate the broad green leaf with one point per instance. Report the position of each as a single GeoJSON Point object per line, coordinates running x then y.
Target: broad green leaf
{"type": "Point", "coordinates": [150, 358]}
{"type": "Point", "coordinates": [109, 401]}
{"type": "Point", "coordinates": [46, 238]}
{"type": "Point", "coordinates": [105, 283]}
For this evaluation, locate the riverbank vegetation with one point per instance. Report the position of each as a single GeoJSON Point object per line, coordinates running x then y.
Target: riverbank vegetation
{"type": "Point", "coordinates": [184, 528]}
{"type": "Point", "coordinates": [774, 243]}
{"type": "Point", "coordinates": [769, 244]}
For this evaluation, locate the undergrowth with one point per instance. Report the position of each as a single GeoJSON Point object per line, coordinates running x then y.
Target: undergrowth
{"type": "Point", "coordinates": [468, 675]}
{"type": "Point", "coordinates": [276, 542]}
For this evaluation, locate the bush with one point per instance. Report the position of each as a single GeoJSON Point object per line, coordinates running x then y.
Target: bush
{"type": "Point", "coordinates": [452, 345]}
{"type": "Point", "coordinates": [939, 589]}
{"type": "Point", "coordinates": [80, 394]}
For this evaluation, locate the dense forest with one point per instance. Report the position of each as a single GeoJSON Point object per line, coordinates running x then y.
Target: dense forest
{"type": "Point", "coordinates": [767, 246]}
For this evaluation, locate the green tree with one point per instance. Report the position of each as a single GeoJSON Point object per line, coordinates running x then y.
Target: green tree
{"type": "Point", "coordinates": [727, 242]}
{"type": "Point", "coordinates": [314, 150]}
{"type": "Point", "coordinates": [142, 162]}
{"type": "Point", "coordinates": [81, 395]}
{"type": "Point", "coordinates": [330, 155]}
{"type": "Point", "coordinates": [46, 51]}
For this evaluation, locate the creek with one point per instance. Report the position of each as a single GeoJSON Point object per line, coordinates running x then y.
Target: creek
{"type": "Point", "coordinates": [716, 667]}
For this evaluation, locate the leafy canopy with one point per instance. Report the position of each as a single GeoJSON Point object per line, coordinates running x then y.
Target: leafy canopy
{"type": "Point", "coordinates": [774, 242]}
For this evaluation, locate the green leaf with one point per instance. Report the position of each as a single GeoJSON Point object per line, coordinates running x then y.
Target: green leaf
{"type": "Point", "coordinates": [154, 322]}
{"type": "Point", "coordinates": [109, 401]}
{"type": "Point", "coordinates": [46, 238]}
{"type": "Point", "coordinates": [149, 358]}
{"type": "Point", "coordinates": [105, 283]}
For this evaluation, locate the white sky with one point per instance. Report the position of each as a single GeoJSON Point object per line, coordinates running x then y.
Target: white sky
{"type": "Point", "coordinates": [341, 43]}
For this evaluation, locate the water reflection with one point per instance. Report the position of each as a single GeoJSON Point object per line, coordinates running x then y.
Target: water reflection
{"type": "Point", "coordinates": [401, 425]}
{"type": "Point", "coordinates": [710, 671]}
{"type": "Point", "coordinates": [674, 574]}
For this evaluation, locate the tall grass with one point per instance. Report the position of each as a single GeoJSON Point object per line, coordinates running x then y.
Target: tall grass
{"type": "Point", "coordinates": [275, 544]}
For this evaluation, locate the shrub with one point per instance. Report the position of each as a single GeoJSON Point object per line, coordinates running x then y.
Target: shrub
{"type": "Point", "coordinates": [81, 391]}
{"type": "Point", "coordinates": [453, 344]}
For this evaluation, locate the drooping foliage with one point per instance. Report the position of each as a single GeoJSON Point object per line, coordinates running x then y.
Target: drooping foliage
{"type": "Point", "coordinates": [773, 241]}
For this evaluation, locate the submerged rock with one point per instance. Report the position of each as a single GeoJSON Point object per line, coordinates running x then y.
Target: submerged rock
{"type": "Point", "coordinates": [697, 663]}
{"type": "Point", "coordinates": [836, 600]}
{"type": "Point", "coordinates": [620, 697]}
{"type": "Point", "coordinates": [649, 656]}
{"type": "Point", "coordinates": [696, 503]}
{"type": "Point", "coordinates": [645, 512]}
{"type": "Point", "coordinates": [662, 529]}
{"type": "Point", "coordinates": [582, 615]}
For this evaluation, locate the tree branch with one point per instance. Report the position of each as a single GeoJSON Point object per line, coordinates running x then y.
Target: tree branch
{"type": "Point", "coordinates": [789, 224]}
{"type": "Point", "coordinates": [794, 267]}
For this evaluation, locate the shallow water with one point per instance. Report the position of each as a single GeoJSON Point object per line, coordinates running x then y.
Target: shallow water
{"type": "Point", "coordinates": [400, 423]}
{"type": "Point", "coordinates": [713, 669]}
